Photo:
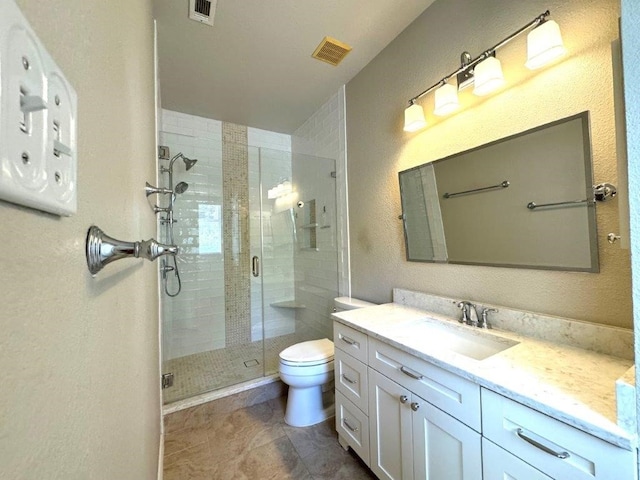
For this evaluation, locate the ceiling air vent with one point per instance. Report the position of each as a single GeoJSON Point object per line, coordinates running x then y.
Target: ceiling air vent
{"type": "Point", "coordinates": [202, 11]}
{"type": "Point", "coordinates": [331, 51]}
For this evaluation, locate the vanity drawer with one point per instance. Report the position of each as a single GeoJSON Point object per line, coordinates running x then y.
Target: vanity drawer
{"type": "Point", "coordinates": [351, 341]}
{"type": "Point", "coordinates": [351, 379]}
{"type": "Point", "coordinates": [454, 395]}
{"type": "Point", "coordinates": [498, 464]}
{"type": "Point", "coordinates": [541, 440]}
{"type": "Point", "coordinates": [352, 426]}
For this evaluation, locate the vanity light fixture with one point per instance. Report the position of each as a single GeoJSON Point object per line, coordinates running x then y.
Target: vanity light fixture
{"type": "Point", "coordinates": [487, 76]}
{"type": "Point", "coordinates": [544, 44]}
{"type": "Point", "coordinates": [446, 100]}
{"type": "Point", "coordinates": [414, 117]}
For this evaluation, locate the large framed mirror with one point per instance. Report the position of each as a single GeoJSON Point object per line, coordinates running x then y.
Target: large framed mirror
{"type": "Point", "coordinates": [523, 201]}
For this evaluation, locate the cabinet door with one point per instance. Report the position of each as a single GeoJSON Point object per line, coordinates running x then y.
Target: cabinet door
{"type": "Point", "coordinates": [390, 428]}
{"type": "Point", "coordinates": [443, 447]}
{"type": "Point", "coordinates": [498, 464]}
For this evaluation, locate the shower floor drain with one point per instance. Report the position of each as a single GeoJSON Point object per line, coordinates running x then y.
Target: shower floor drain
{"type": "Point", "coordinates": [251, 363]}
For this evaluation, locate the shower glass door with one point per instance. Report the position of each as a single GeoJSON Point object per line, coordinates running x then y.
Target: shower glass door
{"type": "Point", "coordinates": [295, 240]}
{"type": "Point", "coordinates": [226, 316]}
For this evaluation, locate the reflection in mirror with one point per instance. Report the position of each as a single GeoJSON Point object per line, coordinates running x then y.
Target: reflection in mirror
{"type": "Point", "coordinates": [523, 201]}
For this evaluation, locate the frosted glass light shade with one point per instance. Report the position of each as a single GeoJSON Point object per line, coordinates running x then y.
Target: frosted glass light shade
{"type": "Point", "coordinates": [487, 76]}
{"type": "Point", "coordinates": [446, 100]}
{"type": "Point", "coordinates": [544, 44]}
{"type": "Point", "coordinates": [414, 118]}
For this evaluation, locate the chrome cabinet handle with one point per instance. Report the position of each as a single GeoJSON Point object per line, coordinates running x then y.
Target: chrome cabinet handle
{"type": "Point", "coordinates": [404, 399]}
{"type": "Point", "coordinates": [346, 424]}
{"type": "Point", "coordinates": [415, 406]}
{"type": "Point", "coordinates": [352, 382]}
{"type": "Point", "coordinates": [411, 373]}
{"type": "Point", "coordinates": [348, 340]}
{"type": "Point", "coordinates": [542, 447]}
{"type": "Point", "coordinates": [255, 266]}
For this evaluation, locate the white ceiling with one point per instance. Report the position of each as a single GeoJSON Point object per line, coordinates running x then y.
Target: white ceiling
{"type": "Point", "coordinates": [254, 66]}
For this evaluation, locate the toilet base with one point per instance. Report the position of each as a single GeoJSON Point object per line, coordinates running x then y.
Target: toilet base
{"type": "Point", "coordinates": [305, 407]}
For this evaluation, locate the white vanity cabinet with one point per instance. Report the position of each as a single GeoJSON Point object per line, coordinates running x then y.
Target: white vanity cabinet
{"type": "Point", "coordinates": [351, 379]}
{"type": "Point", "coordinates": [408, 418]}
{"type": "Point", "coordinates": [410, 437]}
{"type": "Point", "coordinates": [552, 447]}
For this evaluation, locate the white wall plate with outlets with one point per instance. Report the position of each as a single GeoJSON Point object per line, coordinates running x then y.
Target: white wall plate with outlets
{"type": "Point", "coordinates": [38, 111]}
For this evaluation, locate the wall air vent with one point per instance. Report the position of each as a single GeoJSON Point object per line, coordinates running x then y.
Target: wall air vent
{"type": "Point", "coordinates": [331, 51]}
{"type": "Point", "coordinates": [202, 11]}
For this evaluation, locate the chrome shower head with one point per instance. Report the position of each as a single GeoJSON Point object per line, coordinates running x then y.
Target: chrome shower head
{"type": "Point", "coordinates": [188, 162]}
{"type": "Point", "coordinates": [181, 187]}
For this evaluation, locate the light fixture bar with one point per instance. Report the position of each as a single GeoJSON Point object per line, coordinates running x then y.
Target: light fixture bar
{"type": "Point", "coordinates": [487, 53]}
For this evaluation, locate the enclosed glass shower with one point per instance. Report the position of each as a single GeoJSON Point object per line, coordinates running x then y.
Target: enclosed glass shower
{"type": "Point", "coordinates": [258, 264]}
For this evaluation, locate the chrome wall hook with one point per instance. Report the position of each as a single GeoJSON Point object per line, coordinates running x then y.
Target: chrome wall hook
{"type": "Point", "coordinates": [102, 249]}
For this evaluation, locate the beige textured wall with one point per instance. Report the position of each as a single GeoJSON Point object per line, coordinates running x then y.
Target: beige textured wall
{"type": "Point", "coordinates": [378, 148]}
{"type": "Point", "coordinates": [79, 355]}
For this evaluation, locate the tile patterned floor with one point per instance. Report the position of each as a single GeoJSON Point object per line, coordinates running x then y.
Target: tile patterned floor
{"type": "Point", "coordinates": [207, 371]}
{"type": "Point", "coordinates": [253, 443]}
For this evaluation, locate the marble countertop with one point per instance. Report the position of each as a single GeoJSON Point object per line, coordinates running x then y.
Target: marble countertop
{"type": "Point", "coordinates": [573, 385]}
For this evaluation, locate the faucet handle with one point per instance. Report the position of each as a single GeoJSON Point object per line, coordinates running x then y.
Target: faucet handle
{"type": "Point", "coordinates": [473, 315]}
{"type": "Point", "coordinates": [465, 309]}
{"type": "Point", "coordinates": [485, 314]}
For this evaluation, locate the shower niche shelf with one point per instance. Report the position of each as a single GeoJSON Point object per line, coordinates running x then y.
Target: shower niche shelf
{"type": "Point", "coordinates": [288, 304]}
{"type": "Point", "coordinates": [307, 238]}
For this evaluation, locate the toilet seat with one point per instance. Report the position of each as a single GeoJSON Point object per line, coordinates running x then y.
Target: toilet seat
{"type": "Point", "coordinates": [307, 354]}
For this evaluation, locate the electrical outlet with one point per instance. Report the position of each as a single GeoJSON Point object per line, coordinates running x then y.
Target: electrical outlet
{"type": "Point", "coordinates": [38, 111]}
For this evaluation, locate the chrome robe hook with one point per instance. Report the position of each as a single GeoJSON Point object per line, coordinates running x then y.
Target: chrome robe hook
{"type": "Point", "coordinates": [102, 249]}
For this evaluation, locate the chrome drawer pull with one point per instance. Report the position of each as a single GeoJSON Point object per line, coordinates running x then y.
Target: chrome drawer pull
{"type": "Point", "coordinates": [352, 382]}
{"type": "Point", "coordinates": [348, 340]}
{"type": "Point", "coordinates": [346, 424]}
{"type": "Point", "coordinates": [542, 447]}
{"type": "Point", "coordinates": [411, 373]}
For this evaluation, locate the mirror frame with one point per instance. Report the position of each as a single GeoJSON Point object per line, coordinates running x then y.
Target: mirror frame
{"type": "Point", "coordinates": [588, 168]}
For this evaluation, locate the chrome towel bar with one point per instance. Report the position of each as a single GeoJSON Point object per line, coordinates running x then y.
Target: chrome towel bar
{"type": "Point", "coordinates": [504, 184]}
{"type": "Point", "coordinates": [601, 193]}
{"type": "Point", "coordinates": [102, 249]}
{"type": "Point", "coordinates": [534, 205]}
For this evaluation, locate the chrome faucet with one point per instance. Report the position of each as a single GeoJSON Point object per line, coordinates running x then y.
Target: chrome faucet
{"type": "Point", "coordinates": [469, 313]}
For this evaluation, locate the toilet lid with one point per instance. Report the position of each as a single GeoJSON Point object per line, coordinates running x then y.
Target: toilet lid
{"type": "Point", "coordinates": [312, 351]}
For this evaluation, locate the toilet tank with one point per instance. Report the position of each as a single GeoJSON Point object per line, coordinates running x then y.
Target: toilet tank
{"type": "Point", "coordinates": [349, 303]}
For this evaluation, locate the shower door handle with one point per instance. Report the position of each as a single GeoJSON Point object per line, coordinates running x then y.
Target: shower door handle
{"type": "Point", "coordinates": [255, 266]}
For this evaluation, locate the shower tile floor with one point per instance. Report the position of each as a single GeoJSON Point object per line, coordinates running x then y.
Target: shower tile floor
{"type": "Point", "coordinates": [214, 369]}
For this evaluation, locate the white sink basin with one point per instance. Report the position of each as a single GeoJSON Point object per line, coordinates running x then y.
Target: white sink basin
{"type": "Point", "coordinates": [468, 341]}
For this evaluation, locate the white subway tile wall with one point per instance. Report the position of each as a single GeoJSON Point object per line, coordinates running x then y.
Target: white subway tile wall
{"type": "Point", "coordinates": [323, 135]}
{"type": "Point", "coordinates": [193, 321]}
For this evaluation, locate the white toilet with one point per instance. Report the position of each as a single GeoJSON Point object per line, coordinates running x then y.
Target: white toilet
{"type": "Point", "coordinates": [306, 367]}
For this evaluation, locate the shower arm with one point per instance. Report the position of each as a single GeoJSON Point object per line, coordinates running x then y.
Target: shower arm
{"type": "Point", "coordinates": [102, 249]}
